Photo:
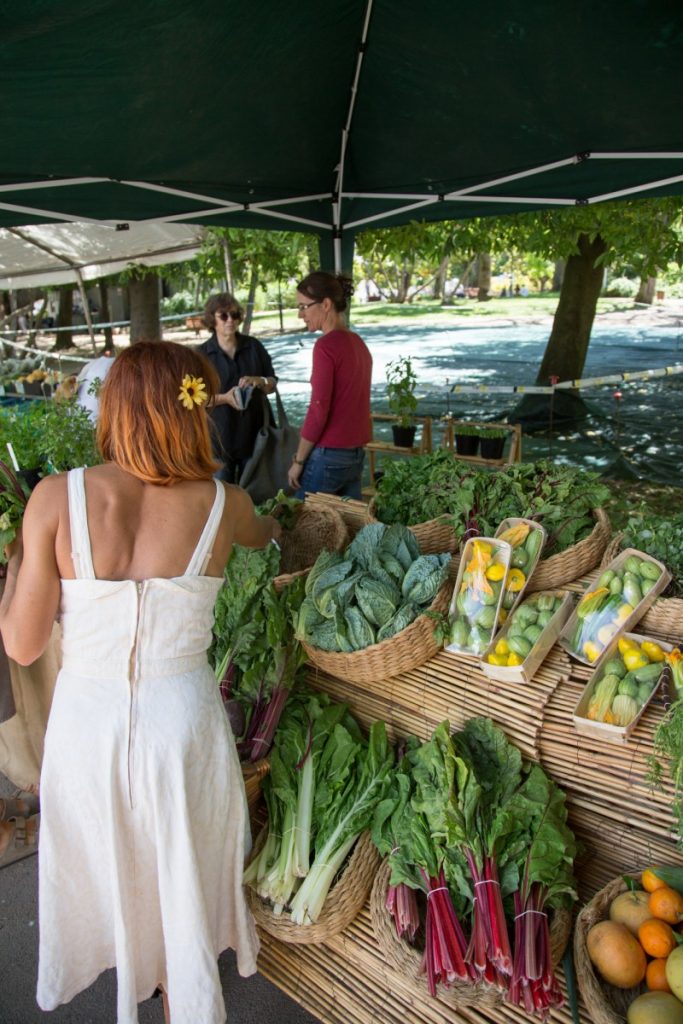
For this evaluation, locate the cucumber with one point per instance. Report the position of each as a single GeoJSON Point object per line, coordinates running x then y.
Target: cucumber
{"type": "Point", "coordinates": [632, 592]}
{"type": "Point", "coordinates": [615, 667]}
{"type": "Point", "coordinates": [533, 633]}
{"type": "Point", "coordinates": [486, 617]}
{"type": "Point", "coordinates": [459, 632]}
{"type": "Point", "coordinates": [606, 578]}
{"type": "Point", "coordinates": [533, 543]}
{"type": "Point", "coordinates": [632, 564]}
{"type": "Point", "coordinates": [519, 559]}
{"type": "Point", "coordinates": [646, 585]}
{"type": "Point", "coordinates": [519, 644]}
{"type": "Point", "coordinates": [649, 570]}
{"type": "Point", "coordinates": [648, 673]}
{"type": "Point", "coordinates": [616, 586]}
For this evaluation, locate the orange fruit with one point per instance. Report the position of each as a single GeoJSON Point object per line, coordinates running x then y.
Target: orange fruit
{"type": "Point", "coordinates": [650, 882]}
{"type": "Point", "coordinates": [666, 904]}
{"type": "Point", "coordinates": [655, 976]}
{"type": "Point", "coordinates": [656, 937]}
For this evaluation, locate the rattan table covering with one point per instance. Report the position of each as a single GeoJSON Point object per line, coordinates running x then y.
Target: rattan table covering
{"type": "Point", "coordinates": [621, 823]}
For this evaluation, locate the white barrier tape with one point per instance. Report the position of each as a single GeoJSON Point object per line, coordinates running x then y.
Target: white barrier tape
{"type": "Point", "coordinates": [585, 382]}
{"type": "Point", "coordinates": [59, 356]}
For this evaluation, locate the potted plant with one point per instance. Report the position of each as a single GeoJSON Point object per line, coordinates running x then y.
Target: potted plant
{"type": "Point", "coordinates": [401, 384]}
{"type": "Point", "coordinates": [466, 439]}
{"type": "Point", "coordinates": [492, 442]}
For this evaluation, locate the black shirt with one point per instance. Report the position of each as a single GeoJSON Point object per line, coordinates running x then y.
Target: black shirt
{"type": "Point", "coordinates": [234, 431]}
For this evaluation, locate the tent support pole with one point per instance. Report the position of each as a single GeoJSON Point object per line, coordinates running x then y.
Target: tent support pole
{"type": "Point", "coordinates": [86, 310]}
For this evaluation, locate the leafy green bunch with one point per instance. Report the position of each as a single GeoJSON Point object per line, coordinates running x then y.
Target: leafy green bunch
{"type": "Point", "coordinates": [660, 536]}
{"type": "Point", "coordinates": [559, 497]}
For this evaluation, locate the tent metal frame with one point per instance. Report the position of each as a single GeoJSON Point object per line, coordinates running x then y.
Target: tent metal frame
{"type": "Point", "coordinates": [407, 201]}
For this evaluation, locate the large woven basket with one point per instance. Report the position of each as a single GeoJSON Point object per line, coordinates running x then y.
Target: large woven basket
{"type": "Point", "coordinates": [665, 617]}
{"type": "Point", "coordinates": [434, 537]}
{"type": "Point", "coordinates": [577, 560]}
{"type": "Point", "coordinates": [605, 1003]}
{"type": "Point", "coordinates": [344, 900]}
{"type": "Point", "coordinates": [408, 961]}
{"type": "Point", "coordinates": [252, 773]}
{"type": "Point", "coordinates": [407, 650]}
{"type": "Point", "coordinates": [316, 529]}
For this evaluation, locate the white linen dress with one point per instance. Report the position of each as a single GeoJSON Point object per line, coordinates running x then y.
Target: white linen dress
{"type": "Point", "coordinates": [144, 823]}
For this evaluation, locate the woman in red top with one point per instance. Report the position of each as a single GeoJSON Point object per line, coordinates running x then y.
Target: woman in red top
{"type": "Point", "coordinates": [330, 454]}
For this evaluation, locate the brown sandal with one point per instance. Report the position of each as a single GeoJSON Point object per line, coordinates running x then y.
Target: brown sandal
{"type": "Point", "coordinates": [22, 805]}
{"type": "Point", "coordinates": [24, 840]}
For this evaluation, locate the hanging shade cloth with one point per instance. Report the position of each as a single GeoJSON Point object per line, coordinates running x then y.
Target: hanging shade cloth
{"type": "Point", "coordinates": [46, 255]}
{"type": "Point", "coordinates": [332, 117]}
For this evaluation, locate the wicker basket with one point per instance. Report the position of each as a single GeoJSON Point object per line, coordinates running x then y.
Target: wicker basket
{"type": "Point", "coordinates": [434, 537]}
{"type": "Point", "coordinates": [605, 1003]}
{"type": "Point", "coordinates": [316, 529]}
{"type": "Point", "coordinates": [665, 617]}
{"type": "Point", "coordinates": [408, 961]}
{"type": "Point", "coordinates": [345, 898]}
{"type": "Point", "coordinates": [407, 650]}
{"type": "Point", "coordinates": [252, 774]}
{"type": "Point", "coordinates": [577, 560]}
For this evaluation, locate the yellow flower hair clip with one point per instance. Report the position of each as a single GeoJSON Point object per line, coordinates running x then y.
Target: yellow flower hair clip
{"type": "Point", "coordinates": [192, 391]}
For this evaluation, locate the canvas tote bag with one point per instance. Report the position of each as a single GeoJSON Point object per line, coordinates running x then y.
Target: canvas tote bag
{"type": "Point", "coordinates": [266, 471]}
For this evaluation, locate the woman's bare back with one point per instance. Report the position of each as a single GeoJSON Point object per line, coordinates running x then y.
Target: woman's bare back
{"type": "Point", "coordinates": [140, 531]}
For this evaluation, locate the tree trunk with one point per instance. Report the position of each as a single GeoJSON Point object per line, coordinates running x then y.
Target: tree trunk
{"type": "Point", "coordinates": [65, 317]}
{"type": "Point", "coordinates": [143, 292]}
{"type": "Point", "coordinates": [253, 283]}
{"type": "Point", "coordinates": [227, 259]}
{"type": "Point", "coordinates": [565, 353]}
{"type": "Point", "coordinates": [440, 280]}
{"type": "Point", "coordinates": [403, 284]}
{"type": "Point", "coordinates": [558, 275]}
{"type": "Point", "coordinates": [105, 313]}
{"type": "Point", "coordinates": [646, 290]}
{"type": "Point", "coordinates": [484, 276]}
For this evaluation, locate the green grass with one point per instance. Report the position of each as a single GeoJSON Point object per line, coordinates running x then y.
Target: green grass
{"type": "Point", "coordinates": [535, 306]}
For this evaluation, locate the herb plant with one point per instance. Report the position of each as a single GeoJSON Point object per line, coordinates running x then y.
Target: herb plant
{"type": "Point", "coordinates": [660, 536]}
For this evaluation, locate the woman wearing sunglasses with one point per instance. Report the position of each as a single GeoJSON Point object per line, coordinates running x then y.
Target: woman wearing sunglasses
{"type": "Point", "coordinates": [330, 454]}
{"type": "Point", "coordinates": [240, 362]}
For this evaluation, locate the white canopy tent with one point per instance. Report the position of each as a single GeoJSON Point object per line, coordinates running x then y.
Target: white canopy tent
{"type": "Point", "coordinates": [45, 255]}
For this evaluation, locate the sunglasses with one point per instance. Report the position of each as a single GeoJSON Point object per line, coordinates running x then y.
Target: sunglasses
{"type": "Point", "coordinates": [231, 315]}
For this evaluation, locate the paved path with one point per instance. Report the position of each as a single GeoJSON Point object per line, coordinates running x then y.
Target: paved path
{"type": "Point", "coordinates": [248, 1001]}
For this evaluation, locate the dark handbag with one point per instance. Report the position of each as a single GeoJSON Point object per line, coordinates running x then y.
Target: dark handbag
{"type": "Point", "coordinates": [265, 472]}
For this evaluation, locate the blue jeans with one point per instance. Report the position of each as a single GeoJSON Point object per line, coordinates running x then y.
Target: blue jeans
{"type": "Point", "coordinates": [333, 471]}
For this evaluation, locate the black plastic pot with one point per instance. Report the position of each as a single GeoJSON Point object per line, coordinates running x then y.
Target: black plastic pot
{"type": "Point", "coordinates": [492, 447]}
{"type": "Point", "coordinates": [30, 477]}
{"type": "Point", "coordinates": [466, 444]}
{"type": "Point", "coordinates": [404, 437]}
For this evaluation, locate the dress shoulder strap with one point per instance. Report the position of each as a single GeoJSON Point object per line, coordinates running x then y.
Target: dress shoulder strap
{"type": "Point", "coordinates": [81, 552]}
{"type": "Point", "coordinates": [202, 553]}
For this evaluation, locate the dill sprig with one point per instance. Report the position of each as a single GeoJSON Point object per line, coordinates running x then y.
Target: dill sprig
{"type": "Point", "coordinates": [668, 744]}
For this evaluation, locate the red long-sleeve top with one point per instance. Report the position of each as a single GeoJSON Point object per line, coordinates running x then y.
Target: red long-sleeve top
{"type": "Point", "coordinates": [339, 412]}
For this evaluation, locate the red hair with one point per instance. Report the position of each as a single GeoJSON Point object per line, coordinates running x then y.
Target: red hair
{"type": "Point", "coordinates": [144, 427]}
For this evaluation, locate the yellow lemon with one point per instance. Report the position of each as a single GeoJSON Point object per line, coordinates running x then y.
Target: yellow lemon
{"type": "Point", "coordinates": [591, 650]}
{"type": "Point", "coordinates": [495, 572]}
{"type": "Point", "coordinates": [625, 644]}
{"type": "Point", "coordinates": [653, 650]}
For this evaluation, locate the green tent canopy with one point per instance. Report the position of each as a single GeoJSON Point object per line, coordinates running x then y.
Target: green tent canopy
{"type": "Point", "coordinates": [333, 117]}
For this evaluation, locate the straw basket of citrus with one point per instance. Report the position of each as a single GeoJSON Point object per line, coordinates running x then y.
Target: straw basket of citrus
{"type": "Point", "coordinates": [628, 949]}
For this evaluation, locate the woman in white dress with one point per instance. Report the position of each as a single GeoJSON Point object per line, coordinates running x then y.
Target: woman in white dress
{"type": "Point", "coordinates": [147, 875]}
